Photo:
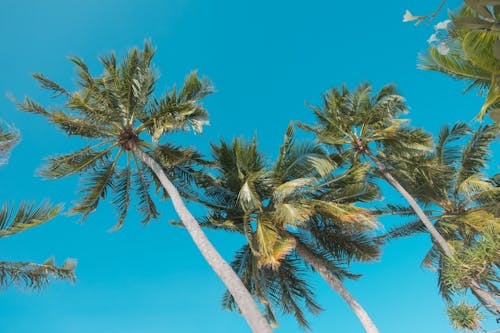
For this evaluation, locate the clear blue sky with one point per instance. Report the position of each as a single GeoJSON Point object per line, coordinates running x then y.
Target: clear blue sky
{"type": "Point", "coordinates": [266, 58]}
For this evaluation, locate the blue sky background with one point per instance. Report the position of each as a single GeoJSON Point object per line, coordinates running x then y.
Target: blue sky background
{"type": "Point", "coordinates": [265, 59]}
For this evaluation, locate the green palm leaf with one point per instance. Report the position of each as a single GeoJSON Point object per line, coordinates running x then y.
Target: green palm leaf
{"type": "Point", "coordinates": [35, 276]}
{"type": "Point", "coordinates": [26, 216]}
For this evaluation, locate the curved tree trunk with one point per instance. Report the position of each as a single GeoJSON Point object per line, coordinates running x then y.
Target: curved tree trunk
{"type": "Point", "coordinates": [478, 290]}
{"type": "Point", "coordinates": [336, 285]}
{"type": "Point", "coordinates": [242, 296]}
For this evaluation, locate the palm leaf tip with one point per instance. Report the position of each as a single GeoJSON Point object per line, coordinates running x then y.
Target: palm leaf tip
{"type": "Point", "coordinates": [50, 85]}
{"type": "Point", "coordinates": [9, 137]}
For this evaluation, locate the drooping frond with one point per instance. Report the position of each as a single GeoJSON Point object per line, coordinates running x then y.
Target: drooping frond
{"type": "Point", "coordinates": [26, 216]}
{"type": "Point", "coordinates": [122, 186]}
{"type": "Point", "coordinates": [35, 276]}
{"type": "Point", "coordinates": [406, 230]}
{"type": "Point", "coordinates": [324, 257]}
{"type": "Point", "coordinates": [145, 204]}
{"type": "Point", "coordinates": [341, 243]}
{"type": "Point", "coordinates": [446, 154]}
{"type": "Point", "coordinates": [283, 289]}
{"type": "Point", "coordinates": [269, 244]}
{"type": "Point", "coordinates": [183, 166]}
{"type": "Point", "coordinates": [95, 188]}
{"type": "Point", "coordinates": [475, 153]}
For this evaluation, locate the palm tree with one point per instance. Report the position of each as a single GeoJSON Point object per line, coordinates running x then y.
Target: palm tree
{"type": "Point", "coordinates": [27, 274]}
{"type": "Point", "coordinates": [451, 179]}
{"type": "Point", "coordinates": [361, 126]}
{"type": "Point", "coordinates": [295, 213]}
{"type": "Point", "coordinates": [474, 56]}
{"type": "Point", "coordinates": [115, 112]}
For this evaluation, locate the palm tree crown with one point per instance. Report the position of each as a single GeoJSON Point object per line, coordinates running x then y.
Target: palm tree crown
{"type": "Point", "coordinates": [463, 202]}
{"type": "Point", "coordinates": [297, 201]}
{"type": "Point", "coordinates": [112, 111]}
{"type": "Point", "coordinates": [354, 123]}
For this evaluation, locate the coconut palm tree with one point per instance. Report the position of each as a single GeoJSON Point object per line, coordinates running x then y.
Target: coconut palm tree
{"type": "Point", "coordinates": [463, 205]}
{"type": "Point", "coordinates": [12, 221]}
{"type": "Point", "coordinates": [361, 126]}
{"type": "Point", "coordinates": [473, 41]}
{"type": "Point", "coordinates": [119, 114]}
{"type": "Point", "coordinates": [294, 214]}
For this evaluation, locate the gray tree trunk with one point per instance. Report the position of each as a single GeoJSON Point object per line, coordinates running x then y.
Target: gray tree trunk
{"type": "Point", "coordinates": [478, 290]}
{"type": "Point", "coordinates": [336, 285]}
{"type": "Point", "coordinates": [436, 236]}
{"type": "Point", "coordinates": [242, 296]}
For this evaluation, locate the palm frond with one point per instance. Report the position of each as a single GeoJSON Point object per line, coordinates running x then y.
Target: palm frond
{"type": "Point", "coordinates": [94, 188]}
{"type": "Point", "coordinates": [284, 288]}
{"type": "Point", "coordinates": [182, 111]}
{"type": "Point", "coordinates": [455, 66]}
{"type": "Point", "coordinates": [8, 139]}
{"type": "Point", "coordinates": [342, 244]}
{"type": "Point", "coordinates": [346, 214]}
{"type": "Point", "coordinates": [35, 276]}
{"type": "Point", "coordinates": [78, 126]}
{"type": "Point", "coordinates": [80, 161]}
{"type": "Point", "coordinates": [406, 230]}
{"type": "Point", "coordinates": [448, 155]}
{"type": "Point", "coordinates": [270, 245]}
{"type": "Point", "coordinates": [474, 185]}
{"type": "Point", "coordinates": [475, 153]}
{"type": "Point", "coordinates": [26, 216]}
{"type": "Point", "coordinates": [183, 167]}
{"type": "Point", "coordinates": [50, 85]}
{"type": "Point", "coordinates": [122, 186]}
{"type": "Point", "coordinates": [145, 204]}
{"type": "Point", "coordinates": [401, 210]}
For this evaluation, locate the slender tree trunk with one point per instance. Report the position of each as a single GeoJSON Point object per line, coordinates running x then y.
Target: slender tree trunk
{"type": "Point", "coordinates": [336, 285]}
{"type": "Point", "coordinates": [490, 301]}
{"type": "Point", "coordinates": [478, 290]}
{"type": "Point", "coordinates": [242, 296]}
{"type": "Point", "coordinates": [436, 236]}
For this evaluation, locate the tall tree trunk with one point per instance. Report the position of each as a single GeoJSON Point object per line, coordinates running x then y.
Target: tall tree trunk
{"type": "Point", "coordinates": [242, 296]}
{"type": "Point", "coordinates": [478, 290]}
{"type": "Point", "coordinates": [336, 285]}
{"type": "Point", "coordinates": [436, 236]}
